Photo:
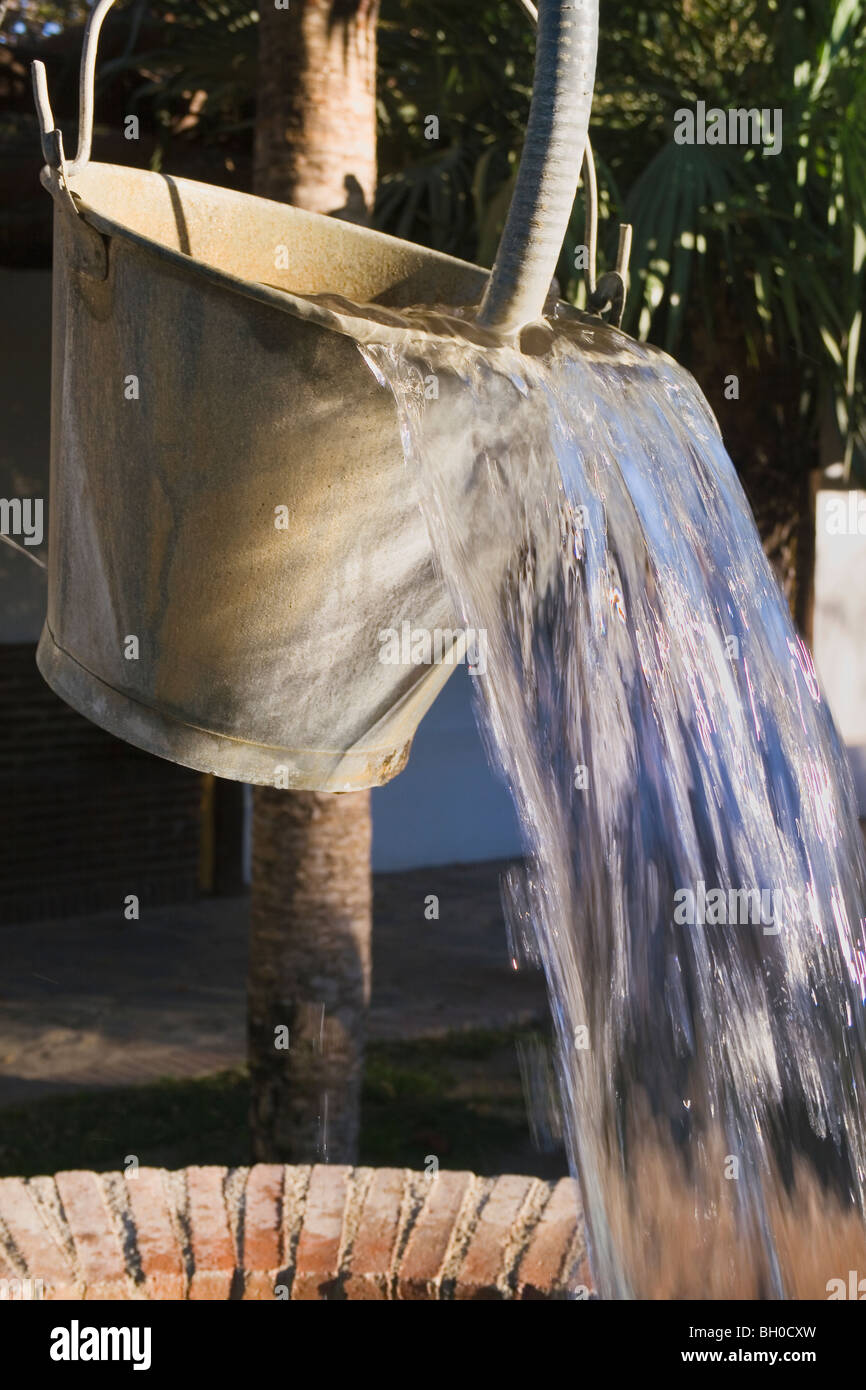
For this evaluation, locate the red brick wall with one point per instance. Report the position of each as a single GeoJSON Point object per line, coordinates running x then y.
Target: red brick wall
{"type": "Point", "coordinates": [323, 1233]}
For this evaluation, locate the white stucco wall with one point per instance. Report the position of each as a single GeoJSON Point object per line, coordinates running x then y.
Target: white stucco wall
{"type": "Point", "coordinates": [448, 807]}
{"type": "Point", "coordinates": [839, 622]}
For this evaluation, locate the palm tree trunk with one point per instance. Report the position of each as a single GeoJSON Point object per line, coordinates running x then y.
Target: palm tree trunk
{"type": "Point", "coordinates": [309, 974]}
{"type": "Point", "coordinates": [311, 920]}
{"type": "Point", "coordinates": [316, 120]}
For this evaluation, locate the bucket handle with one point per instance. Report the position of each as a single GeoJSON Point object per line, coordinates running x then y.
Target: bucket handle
{"type": "Point", "coordinates": [52, 138]}
{"type": "Point", "coordinates": [610, 290]}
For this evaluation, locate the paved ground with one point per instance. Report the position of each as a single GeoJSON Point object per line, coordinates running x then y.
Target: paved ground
{"type": "Point", "coordinates": [99, 1001]}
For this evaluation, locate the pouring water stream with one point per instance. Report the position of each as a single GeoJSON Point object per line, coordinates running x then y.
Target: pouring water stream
{"type": "Point", "coordinates": [695, 872]}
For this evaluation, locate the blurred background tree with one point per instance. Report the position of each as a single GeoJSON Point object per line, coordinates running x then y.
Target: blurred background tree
{"type": "Point", "coordinates": [311, 919]}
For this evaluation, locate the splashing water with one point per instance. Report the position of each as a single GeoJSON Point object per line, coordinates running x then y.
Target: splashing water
{"type": "Point", "coordinates": [696, 875]}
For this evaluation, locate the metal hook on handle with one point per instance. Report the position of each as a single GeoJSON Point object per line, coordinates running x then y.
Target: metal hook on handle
{"type": "Point", "coordinates": [90, 254]}
{"type": "Point", "coordinates": [612, 288]}
{"type": "Point", "coordinates": [50, 138]}
{"type": "Point", "coordinates": [48, 132]}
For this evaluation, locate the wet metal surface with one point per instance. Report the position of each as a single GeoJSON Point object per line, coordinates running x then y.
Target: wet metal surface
{"type": "Point", "coordinates": [228, 486]}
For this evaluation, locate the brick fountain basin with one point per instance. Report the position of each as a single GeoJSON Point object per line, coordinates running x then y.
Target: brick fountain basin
{"type": "Point", "coordinates": [301, 1233]}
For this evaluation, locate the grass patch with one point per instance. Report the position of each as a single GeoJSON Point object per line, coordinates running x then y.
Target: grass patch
{"type": "Point", "coordinates": [458, 1098]}
{"type": "Point", "coordinates": [162, 1123]}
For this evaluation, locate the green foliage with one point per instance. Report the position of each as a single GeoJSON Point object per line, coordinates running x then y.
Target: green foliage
{"type": "Point", "coordinates": [775, 244]}
{"type": "Point", "coordinates": [198, 82]}
{"type": "Point", "coordinates": [780, 238]}
{"type": "Point", "coordinates": [471, 67]}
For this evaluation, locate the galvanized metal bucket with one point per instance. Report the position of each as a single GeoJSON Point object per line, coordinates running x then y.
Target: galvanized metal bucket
{"type": "Point", "coordinates": [231, 524]}
{"type": "Point", "coordinates": [231, 519]}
